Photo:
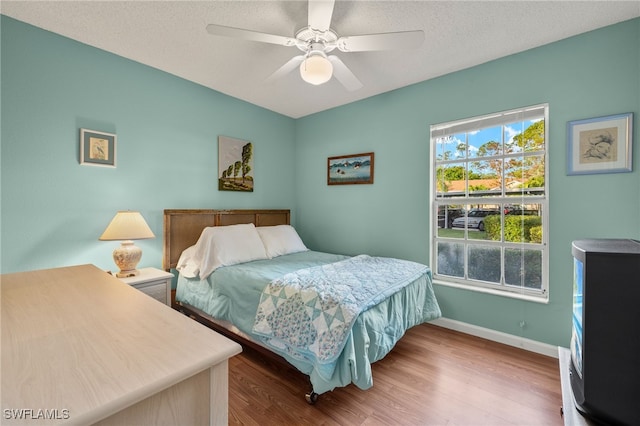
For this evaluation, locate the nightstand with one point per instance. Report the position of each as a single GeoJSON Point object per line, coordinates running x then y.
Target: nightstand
{"type": "Point", "coordinates": [153, 282]}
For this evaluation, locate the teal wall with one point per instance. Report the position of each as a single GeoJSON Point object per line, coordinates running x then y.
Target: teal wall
{"type": "Point", "coordinates": [591, 75]}
{"type": "Point", "coordinates": [54, 209]}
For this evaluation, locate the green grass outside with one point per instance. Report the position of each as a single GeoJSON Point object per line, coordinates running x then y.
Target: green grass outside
{"type": "Point", "coordinates": [459, 233]}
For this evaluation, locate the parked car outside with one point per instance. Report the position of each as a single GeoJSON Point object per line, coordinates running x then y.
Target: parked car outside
{"type": "Point", "coordinates": [448, 214]}
{"type": "Point", "coordinates": [475, 219]}
{"type": "Point", "coordinates": [519, 210]}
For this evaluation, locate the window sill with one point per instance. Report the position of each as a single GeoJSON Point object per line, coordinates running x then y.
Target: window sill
{"type": "Point", "coordinates": [512, 295]}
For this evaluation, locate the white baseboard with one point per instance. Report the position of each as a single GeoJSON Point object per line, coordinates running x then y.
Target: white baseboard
{"type": "Point", "coordinates": [498, 336]}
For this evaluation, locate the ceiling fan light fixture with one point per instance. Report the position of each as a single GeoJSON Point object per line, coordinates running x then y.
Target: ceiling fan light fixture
{"type": "Point", "coordinates": [316, 69]}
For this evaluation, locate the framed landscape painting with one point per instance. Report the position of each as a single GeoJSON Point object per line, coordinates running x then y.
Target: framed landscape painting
{"type": "Point", "coordinates": [235, 165]}
{"type": "Point", "coordinates": [350, 169]}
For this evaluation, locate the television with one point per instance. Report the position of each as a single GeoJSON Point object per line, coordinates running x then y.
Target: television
{"type": "Point", "coordinates": [604, 369]}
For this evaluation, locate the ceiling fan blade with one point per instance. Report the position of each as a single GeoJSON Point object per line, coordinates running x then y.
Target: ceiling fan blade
{"type": "Point", "coordinates": [220, 30]}
{"type": "Point", "coordinates": [320, 12]}
{"type": "Point", "coordinates": [384, 41]}
{"type": "Point", "coordinates": [344, 74]}
{"type": "Point", "coordinates": [289, 66]}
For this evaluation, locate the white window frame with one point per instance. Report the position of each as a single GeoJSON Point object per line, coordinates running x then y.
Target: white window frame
{"type": "Point", "coordinates": [466, 126]}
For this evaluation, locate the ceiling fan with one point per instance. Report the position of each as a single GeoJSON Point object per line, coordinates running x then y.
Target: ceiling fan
{"type": "Point", "coordinates": [317, 39]}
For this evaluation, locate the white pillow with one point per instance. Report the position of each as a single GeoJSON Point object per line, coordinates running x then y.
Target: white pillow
{"type": "Point", "coordinates": [227, 245]}
{"type": "Point", "coordinates": [187, 265]}
{"type": "Point", "coordinates": [280, 239]}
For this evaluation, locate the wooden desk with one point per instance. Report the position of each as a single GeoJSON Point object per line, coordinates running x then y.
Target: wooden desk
{"type": "Point", "coordinates": [81, 347]}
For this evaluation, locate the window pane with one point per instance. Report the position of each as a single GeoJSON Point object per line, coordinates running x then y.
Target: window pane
{"type": "Point", "coordinates": [450, 259]}
{"type": "Point", "coordinates": [451, 147]}
{"type": "Point", "coordinates": [485, 177]}
{"type": "Point", "coordinates": [523, 268]}
{"type": "Point", "coordinates": [532, 137]}
{"type": "Point", "coordinates": [512, 132]}
{"type": "Point", "coordinates": [514, 175]}
{"type": "Point", "coordinates": [447, 213]}
{"type": "Point", "coordinates": [455, 220]}
{"type": "Point", "coordinates": [450, 180]}
{"type": "Point", "coordinates": [485, 142]}
{"type": "Point", "coordinates": [492, 223]}
{"type": "Point", "coordinates": [523, 223]}
{"type": "Point", "coordinates": [484, 263]}
{"type": "Point", "coordinates": [524, 175]}
{"type": "Point", "coordinates": [475, 220]}
{"type": "Point", "coordinates": [533, 170]}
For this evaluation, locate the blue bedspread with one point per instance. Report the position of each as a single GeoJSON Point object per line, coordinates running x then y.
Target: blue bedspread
{"type": "Point", "coordinates": [309, 313]}
{"type": "Point", "coordinates": [233, 293]}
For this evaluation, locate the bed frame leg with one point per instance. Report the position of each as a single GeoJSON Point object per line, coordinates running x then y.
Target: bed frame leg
{"type": "Point", "coordinates": [311, 397]}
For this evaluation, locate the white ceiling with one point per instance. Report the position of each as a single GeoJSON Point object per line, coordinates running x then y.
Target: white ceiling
{"type": "Point", "coordinates": [171, 36]}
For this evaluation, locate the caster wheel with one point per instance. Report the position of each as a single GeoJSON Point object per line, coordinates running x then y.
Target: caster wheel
{"type": "Point", "coordinates": [311, 397]}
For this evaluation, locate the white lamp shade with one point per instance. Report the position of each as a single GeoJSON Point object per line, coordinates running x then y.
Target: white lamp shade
{"type": "Point", "coordinates": [316, 69]}
{"type": "Point", "coordinates": [127, 225]}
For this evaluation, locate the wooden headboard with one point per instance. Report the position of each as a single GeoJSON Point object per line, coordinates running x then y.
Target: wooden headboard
{"type": "Point", "coordinates": [182, 228]}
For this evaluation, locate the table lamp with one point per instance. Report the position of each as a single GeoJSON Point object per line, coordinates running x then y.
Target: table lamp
{"type": "Point", "coordinates": [127, 226]}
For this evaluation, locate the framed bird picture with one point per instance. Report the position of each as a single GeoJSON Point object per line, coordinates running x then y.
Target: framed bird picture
{"type": "Point", "coordinates": [97, 148]}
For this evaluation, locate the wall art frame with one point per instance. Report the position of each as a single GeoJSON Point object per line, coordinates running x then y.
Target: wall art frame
{"type": "Point", "coordinates": [600, 145]}
{"type": "Point", "coordinates": [97, 148]}
{"type": "Point", "coordinates": [235, 164]}
{"type": "Point", "coordinates": [351, 169]}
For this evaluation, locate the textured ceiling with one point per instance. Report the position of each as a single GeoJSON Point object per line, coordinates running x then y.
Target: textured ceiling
{"type": "Point", "coordinates": [171, 36]}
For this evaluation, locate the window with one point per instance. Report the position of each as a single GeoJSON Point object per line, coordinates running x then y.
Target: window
{"type": "Point", "coordinates": [489, 198]}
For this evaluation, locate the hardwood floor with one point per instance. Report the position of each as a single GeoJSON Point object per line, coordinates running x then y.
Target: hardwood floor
{"type": "Point", "coordinates": [434, 376]}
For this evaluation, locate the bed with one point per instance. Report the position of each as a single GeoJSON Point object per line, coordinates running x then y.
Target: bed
{"type": "Point", "coordinates": [248, 275]}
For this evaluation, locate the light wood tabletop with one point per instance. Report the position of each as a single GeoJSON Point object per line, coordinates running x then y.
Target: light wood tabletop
{"type": "Point", "coordinates": [79, 345]}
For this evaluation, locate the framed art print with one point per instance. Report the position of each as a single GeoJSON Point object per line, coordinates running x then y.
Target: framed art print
{"type": "Point", "coordinates": [350, 169]}
{"type": "Point", "coordinates": [235, 165]}
{"type": "Point", "coordinates": [97, 148]}
{"type": "Point", "coordinates": [600, 145]}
